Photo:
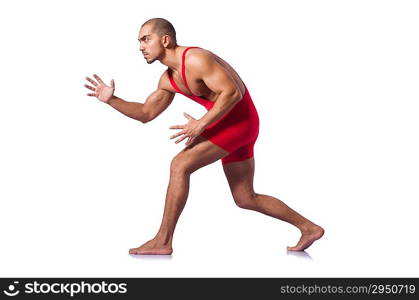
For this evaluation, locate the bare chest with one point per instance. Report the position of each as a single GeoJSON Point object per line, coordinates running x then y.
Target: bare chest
{"type": "Point", "coordinates": [196, 86]}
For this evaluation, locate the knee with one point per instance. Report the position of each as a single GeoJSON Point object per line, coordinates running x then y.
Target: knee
{"type": "Point", "coordinates": [245, 201]}
{"type": "Point", "coordinates": [179, 165]}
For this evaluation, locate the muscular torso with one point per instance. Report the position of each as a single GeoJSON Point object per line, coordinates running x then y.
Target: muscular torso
{"type": "Point", "coordinates": [196, 85]}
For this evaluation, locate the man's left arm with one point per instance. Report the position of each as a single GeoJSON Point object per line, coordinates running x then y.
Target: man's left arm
{"type": "Point", "coordinates": [219, 81]}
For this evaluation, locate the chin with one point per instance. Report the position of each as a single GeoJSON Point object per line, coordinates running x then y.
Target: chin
{"type": "Point", "coordinates": [151, 61]}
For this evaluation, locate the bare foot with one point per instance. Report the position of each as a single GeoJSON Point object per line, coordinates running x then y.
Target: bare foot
{"type": "Point", "coordinates": [308, 237]}
{"type": "Point", "coordinates": [152, 247]}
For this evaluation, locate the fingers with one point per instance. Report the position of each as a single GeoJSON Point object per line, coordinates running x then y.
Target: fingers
{"type": "Point", "coordinates": [181, 139]}
{"type": "Point", "coordinates": [91, 94]}
{"type": "Point", "coordinates": [183, 132]}
{"type": "Point", "coordinates": [98, 78]}
{"type": "Point", "coordinates": [188, 116]}
{"type": "Point", "coordinates": [90, 87]}
{"type": "Point", "coordinates": [91, 81]}
{"type": "Point", "coordinates": [177, 127]}
{"type": "Point", "coordinates": [189, 141]}
{"type": "Point", "coordinates": [112, 83]}
{"type": "Point", "coordinates": [177, 134]}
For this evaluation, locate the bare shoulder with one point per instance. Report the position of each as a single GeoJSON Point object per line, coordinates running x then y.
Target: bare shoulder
{"type": "Point", "coordinates": [164, 82]}
{"type": "Point", "coordinates": [198, 58]}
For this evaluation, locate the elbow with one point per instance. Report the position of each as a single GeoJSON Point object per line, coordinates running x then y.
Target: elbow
{"type": "Point", "coordinates": [235, 95]}
{"type": "Point", "coordinates": [231, 96]}
{"type": "Point", "coordinates": [143, 117]}
{"type": "Point", "coordinates": [144, 120]}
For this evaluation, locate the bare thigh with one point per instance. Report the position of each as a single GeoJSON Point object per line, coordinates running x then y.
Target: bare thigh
{"type": "Point", "coordinates": [200, 153]}
{"type": "Point", "coordinates": [240, 178]}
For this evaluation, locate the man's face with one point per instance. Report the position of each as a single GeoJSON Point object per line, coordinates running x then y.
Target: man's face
{"type": "Point", "coordinates": [150, 44]}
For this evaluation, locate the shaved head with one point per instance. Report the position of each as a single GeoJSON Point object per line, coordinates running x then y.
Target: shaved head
{"type": "Point", "coordinates": [162, 27]}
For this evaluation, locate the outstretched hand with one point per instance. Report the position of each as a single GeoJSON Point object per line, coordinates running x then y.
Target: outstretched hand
{"type": "Point", "coordinates": [191, 130]}
{"type": "Point", "coordinates": [101, 91]}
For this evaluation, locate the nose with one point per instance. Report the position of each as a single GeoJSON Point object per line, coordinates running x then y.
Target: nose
{"type": "Point", "coordinates": [142, 47]}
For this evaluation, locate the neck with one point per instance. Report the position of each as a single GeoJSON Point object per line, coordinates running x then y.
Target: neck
{"type": "Point", "coordinates": [173, 58]}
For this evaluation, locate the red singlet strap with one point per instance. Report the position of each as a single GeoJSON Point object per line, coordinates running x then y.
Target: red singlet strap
{"type": "Point", "coordinates": [172, 81]}
{"type": "Point", "coordinates": [183, 69]}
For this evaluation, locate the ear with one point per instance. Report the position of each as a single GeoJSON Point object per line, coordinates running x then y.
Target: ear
{"type": "Point", "coordinates": [166, 40]}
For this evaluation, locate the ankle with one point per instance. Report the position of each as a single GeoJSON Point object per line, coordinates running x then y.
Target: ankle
{"type": "Point", "coordinates": [164, 239]}
{"type": "Point", "coordinates": [306, 227]}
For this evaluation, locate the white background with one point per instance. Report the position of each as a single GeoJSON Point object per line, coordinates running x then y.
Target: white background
{"type": "Point", "coordinates": [336, 87]}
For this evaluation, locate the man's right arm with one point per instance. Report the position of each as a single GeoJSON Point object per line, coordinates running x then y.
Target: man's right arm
{"type": "Point", "coordinates": [155, 104]}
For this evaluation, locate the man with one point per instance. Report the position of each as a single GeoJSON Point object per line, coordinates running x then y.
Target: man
{"type": "Point", "coordinates": [227, 131]}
